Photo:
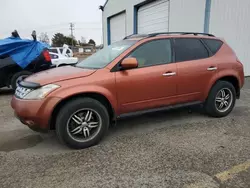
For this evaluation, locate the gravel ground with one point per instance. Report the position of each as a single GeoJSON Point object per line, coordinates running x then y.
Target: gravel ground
{"type": "Point", "coordinates": [164, 149]}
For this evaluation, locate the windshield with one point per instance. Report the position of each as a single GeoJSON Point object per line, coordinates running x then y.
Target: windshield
{"type": "Point", "coordinates": [105, 56]}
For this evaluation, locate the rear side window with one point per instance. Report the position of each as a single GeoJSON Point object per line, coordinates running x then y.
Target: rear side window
{"type": "Point", "coordinates": [53, 56]}
{"type": "Point", "coordinates": [61, 50]}
{"type": "Point", "coordinates": [213, 45]}
{"type": "Point", "coordinates": [53, 50]}
{"type": "Point", "coordinates": [189, 49]}
{"type": "Point", "coordinates": [153, 53]}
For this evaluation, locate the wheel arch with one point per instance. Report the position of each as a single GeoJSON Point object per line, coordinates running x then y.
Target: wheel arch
{"type": "Point", "coordinates": [9, 71]}
{"type": "Point", "coordinates": [94, 95]}
{"type": "Point", "coordinates": [62, 64]}
{"type": "Point", "coordinates": [233, 79]}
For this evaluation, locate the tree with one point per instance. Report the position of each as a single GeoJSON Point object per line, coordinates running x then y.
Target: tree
{"type": "Point", "coordinates": [43, 37]}
{"type": "Point", "coordinates": [68, 41]}
{"type": "Point", "coordinates": [59, 40]}
{"type": "Point", "coordinates": [91, 41]}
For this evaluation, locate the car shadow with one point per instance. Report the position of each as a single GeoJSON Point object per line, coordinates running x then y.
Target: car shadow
{"type": "Point", "coordinates": [130, 125]}
{"type": "Point", "coordinates": [48, 143]}
{"type": "Point", "coordinates": [157, 119]}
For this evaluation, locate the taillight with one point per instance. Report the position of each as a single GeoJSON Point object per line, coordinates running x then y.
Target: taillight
{"type": "Point", "coordinates": [46, 55]}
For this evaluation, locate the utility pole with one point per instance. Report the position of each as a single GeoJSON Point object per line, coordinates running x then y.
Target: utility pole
{"type": "Point", "coordinates": [72, 27]}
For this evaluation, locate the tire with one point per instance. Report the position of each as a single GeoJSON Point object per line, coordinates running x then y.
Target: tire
{"type": "Point", "coordinates": [18, 75]}
{"type": "Point", "coordinates": [211, 104]}
{"type": "Point", "coordinates": [64, 122]}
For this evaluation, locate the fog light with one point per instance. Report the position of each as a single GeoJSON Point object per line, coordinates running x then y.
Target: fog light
{"type": "Point", "coordinates": [29, 122]}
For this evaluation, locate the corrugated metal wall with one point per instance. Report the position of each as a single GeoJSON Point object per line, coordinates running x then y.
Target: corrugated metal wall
{"type": "Point", "coordinates": [115, 6]}
{"type": "Point", "coordinates": [185, 15]}
{"type": "Point", "coordinates": [230, 19]}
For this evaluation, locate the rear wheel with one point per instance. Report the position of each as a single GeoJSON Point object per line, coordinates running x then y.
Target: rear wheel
{"type": "Point", "coordinates": [82, 123]}
{"type": "Point", "coordinates": [17, 77]}
{"type": "Point", "coordinates": [221, 99]}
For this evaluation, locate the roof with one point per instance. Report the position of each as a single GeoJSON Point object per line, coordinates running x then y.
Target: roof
{"type": "Point", "coordinates": [105, 3]}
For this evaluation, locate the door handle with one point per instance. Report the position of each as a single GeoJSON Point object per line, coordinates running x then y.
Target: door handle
{"type": "Point", "coordinates": [169, 74]}
{"type": "Point", "coordinates": [212, 68]}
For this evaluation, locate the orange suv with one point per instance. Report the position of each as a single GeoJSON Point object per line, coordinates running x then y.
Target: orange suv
{"type": "Point", "coordinates": [140, 73]}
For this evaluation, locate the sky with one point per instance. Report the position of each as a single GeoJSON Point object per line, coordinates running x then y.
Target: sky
{"type": "Point", "coordinates": [52, 16]}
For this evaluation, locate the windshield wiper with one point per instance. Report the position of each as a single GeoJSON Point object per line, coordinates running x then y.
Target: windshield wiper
{"type": "Point", "coordinates": [87, 67]}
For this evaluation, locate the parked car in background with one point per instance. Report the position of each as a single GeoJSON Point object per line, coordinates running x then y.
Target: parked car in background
{"type": "Point", "coordinates": [141, 73]}
{"type": "Point", "coordinates": [61, 60]}
{"type": "Point", "coordinates": [20, 58]}
{"type": "Point", "coordinates": [63, 51]}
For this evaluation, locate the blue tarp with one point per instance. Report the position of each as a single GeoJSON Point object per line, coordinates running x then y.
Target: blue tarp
{"type": "Point", "coordinates": [22, 51]}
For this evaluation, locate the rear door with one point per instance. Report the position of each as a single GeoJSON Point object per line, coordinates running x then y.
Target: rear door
{"type": "Point", "coordinates": [151, 85]}
{"type": "Point", "coordinates": [195, 68]}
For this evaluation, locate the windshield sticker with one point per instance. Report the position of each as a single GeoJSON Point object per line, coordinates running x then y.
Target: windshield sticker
{"type": "Point", "coordinates": [118, 48]}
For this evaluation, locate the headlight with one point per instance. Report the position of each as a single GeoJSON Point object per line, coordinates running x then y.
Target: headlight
{"type": "Point", "coordinates": [42, 92]}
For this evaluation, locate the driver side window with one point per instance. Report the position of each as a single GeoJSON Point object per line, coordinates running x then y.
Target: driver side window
{"type": "Point", "coordinates": [152, 53]}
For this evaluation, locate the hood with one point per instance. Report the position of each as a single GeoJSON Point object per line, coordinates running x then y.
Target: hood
{"type": "Point", "coordinates": [59, 74]}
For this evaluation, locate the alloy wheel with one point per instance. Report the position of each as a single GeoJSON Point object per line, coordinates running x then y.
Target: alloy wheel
{"type": "Point", "coordinates": [84, 125]}
{"type": "Point", "coordinates": [223, 100]}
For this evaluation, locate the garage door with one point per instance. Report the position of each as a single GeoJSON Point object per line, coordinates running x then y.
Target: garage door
{"type": "Point", "coordinates": [153, 17]}
{"type": "Point", "coordinates": [117, 27]}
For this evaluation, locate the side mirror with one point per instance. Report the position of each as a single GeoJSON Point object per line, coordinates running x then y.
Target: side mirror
{"type": "Point", "coordinates": [129, 63]}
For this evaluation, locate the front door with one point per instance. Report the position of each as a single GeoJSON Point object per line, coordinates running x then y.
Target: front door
{"type": "Point", "coordinates": [153, 84]}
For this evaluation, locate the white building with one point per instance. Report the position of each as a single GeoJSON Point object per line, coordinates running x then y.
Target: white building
{"type": "Point", "coordinates": [229, 19]}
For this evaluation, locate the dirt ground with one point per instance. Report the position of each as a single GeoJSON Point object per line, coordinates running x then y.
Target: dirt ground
{"type": "Point", "coordinates": [163, 149]}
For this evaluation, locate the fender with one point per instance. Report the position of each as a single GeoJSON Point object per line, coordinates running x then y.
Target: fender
{"type": "Point", "coordinates": [219, 75]}
{"type": "Point", "coordinates": [83, 89]}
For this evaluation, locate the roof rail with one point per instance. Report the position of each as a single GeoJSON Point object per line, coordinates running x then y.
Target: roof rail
{"type": "Point", "coordinates": [135, 36]}
{"type": "Point", "coordinates": [166, 33]}
{"type": "Point", "coordinates": [180, 33]}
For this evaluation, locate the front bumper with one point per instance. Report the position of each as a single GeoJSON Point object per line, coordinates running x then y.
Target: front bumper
{"type": "Point", "coordinates": [36, 114]}
{"type": "Point", "coordinates": [32, 126]}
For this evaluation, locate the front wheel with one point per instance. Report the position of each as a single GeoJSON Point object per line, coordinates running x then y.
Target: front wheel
{"type": "Point", "coordinates": [221, 99]}
{"type": "Point", "coordinates": [82, 123]}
